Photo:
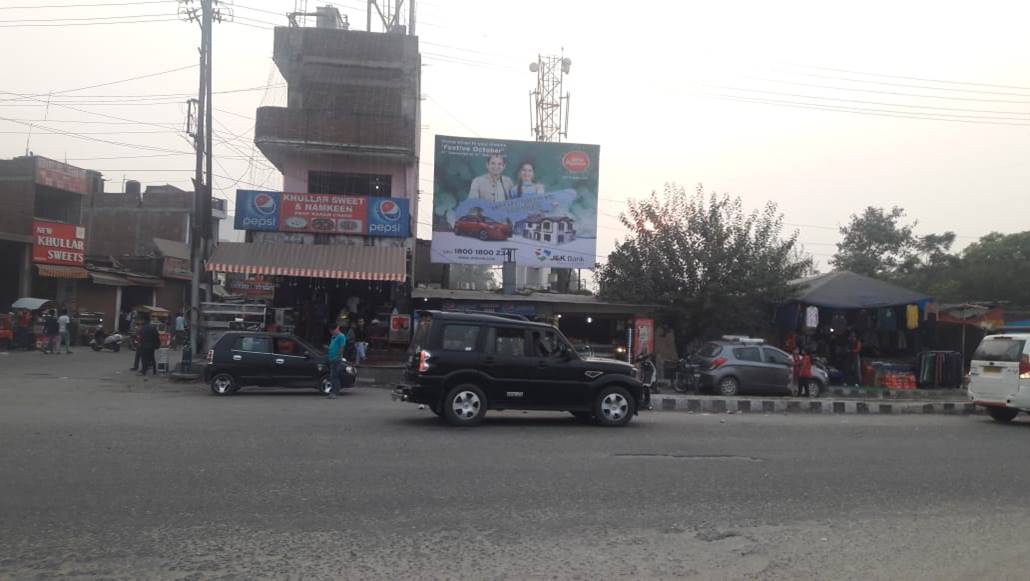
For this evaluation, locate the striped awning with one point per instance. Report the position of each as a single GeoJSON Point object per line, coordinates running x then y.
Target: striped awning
{"type": "Point", "coordinates": [54, 271]}
{"type": "Point", "coordinates": [384, 263]}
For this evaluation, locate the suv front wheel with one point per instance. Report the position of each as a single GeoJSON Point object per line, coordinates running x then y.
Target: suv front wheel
{"type": "Point", "coordinates": [614, 406]}
{"type": "Point", "coordinates": [465, 405]}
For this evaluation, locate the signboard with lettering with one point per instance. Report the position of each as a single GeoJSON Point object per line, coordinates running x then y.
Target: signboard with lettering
{"type": "Point", "coordinates": [56, 243]}
{"type": "Point", "coordinates": [62, 176]}
{"type": "Point", "coordinates": [257, 288]}
{"type": "Point", "coordinates": [322, 213]}
{"type": "Point", "coordinates": [177, 268]}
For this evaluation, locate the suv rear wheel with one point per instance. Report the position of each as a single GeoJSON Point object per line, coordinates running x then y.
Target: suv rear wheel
{"type": "Point", "coordinates": [465, 405]}
{"type": "Point", "coordinates": [1003, 415]}
{"type": "Point", "coordinates": [325, 385]}
{"type": "Point", "coordinates": [614, 406]}
{"type": "Point", "coordinates": [223, 384]}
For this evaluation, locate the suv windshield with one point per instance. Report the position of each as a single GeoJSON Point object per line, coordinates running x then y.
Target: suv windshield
{"type": "Point", "coordinates": [1003, 349]}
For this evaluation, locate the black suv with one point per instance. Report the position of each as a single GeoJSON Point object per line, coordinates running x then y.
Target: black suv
{"type": "Point", "coordinates": [462, 364]}
{"type": "Point", "coordinates": [268, 359]}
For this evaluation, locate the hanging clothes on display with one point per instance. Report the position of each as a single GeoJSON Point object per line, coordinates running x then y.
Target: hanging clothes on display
{"type": "Point", "coordinates": [939, 369]}
{"type": "Point", "coordinates": [886, 321]}
{"type": "Point", "coordinates": [912, 317]}
{"type": "Point", "coordinates": [812, 318]}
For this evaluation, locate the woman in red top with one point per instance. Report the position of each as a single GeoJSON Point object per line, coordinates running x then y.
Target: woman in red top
{"type": "Point", "coordinates": [802, 370]}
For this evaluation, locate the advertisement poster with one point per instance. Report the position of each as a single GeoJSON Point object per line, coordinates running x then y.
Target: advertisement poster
{"type": "Point", "coordinates": [56, 243]}
{"type": "Point", "coordinates": [177, 268]}
{"type": "Point", "coordinates": [643, 336]}
{"type": "Point", "coordinates": [535, 200]}
{"type": "Point", "coordinates": [322, 214]}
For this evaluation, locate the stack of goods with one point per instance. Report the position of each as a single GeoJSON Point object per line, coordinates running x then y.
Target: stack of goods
{"type": "Point", "coordinates": [894, 375]}
{"type": "Point", "coordinates": [940, 369]}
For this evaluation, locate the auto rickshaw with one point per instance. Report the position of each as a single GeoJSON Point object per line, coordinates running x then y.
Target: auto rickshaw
{"type": "Point", "coordinates": [158, 317]}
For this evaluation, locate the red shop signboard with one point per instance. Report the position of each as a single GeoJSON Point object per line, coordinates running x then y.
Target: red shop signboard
{"type": "Point", "coordinates": [323, 213]}
{"type": "Point", "coordinates": [55, 243]}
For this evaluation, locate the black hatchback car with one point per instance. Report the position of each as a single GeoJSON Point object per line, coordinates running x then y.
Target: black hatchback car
{"type": "Point", "coordinates": [462, 364]}
{"type": "Point", "coordinates": [240, 359]}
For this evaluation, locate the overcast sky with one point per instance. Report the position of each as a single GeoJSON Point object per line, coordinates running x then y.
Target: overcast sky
{"type": "Point", "coordinates": [819, 107]}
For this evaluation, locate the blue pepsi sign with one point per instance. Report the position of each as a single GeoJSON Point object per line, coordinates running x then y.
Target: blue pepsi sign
{"type": "Point", "coordinates": [389, 217]}
{"type": "Point", "coordinates": [257, 210]}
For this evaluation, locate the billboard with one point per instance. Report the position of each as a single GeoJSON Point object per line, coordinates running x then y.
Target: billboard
{"type": "Point", "coordinates": [56, 243]}
{"type": "Point", "coordinates": [322, 214]}
{"type": "Point", "coordinates": [537, 200]}
{"type": "Point", "coordinates": [62, 176]}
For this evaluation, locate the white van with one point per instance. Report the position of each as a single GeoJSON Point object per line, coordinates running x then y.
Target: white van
{"type": "Point", "coordinates": [999, 376]}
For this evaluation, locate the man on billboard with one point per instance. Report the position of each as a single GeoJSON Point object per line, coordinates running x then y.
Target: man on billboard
{"type": "Point", "coordinates": [492, 186]}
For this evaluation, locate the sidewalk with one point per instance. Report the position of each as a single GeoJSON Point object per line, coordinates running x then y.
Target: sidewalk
{"type": "Point", "coordinates": [746, 405]}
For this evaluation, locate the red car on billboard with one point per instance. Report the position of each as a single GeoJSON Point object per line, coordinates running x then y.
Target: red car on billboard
{"type": "Point", "coordinates": [482, 227]}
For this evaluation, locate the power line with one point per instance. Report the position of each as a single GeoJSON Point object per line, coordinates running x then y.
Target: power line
{"type": "Point", "coordinates": [950, 82]}
{"type": "Point", "coordinates": [88, 138]}
{"type": "Point", "coordinates": [889, 104]}
{"type": "Point", "coordinates": [84, 19]}
{"type": "Point", "coordinates": [87, 5]}
{"type": "Point", "coordinates": [911, 86]}
{"type": "Point", "coordinates": [863, 111]}
{"type": "Point", "coordinates": [87, 23]}
{"type": "Point", "coordinates": [895, 93]}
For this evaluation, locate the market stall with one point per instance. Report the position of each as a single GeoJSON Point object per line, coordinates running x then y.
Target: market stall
{"type": "Point", "coordinates": [869, 332]}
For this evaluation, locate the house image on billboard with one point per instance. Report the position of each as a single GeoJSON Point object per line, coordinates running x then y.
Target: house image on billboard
{"type": "Point", "coordinates": [548, 229]}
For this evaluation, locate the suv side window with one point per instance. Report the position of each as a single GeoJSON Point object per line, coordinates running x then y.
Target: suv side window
{"type": "Point", "coordinates": [286, 346]}
{"type": "Point", "coordinates": [460, 337]}
{"type": "Point", "coordinates": [253, 344]}
{"type": "Point", "coordinates": [507, 342]}
{"type": "Point", "coordinates": [548, 344]}
{"type": "Point", "coordinates": [747, 354]}
{"type": "Point", "coordinates": [776, 357]}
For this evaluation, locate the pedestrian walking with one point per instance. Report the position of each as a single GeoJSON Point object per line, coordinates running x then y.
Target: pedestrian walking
{"type": "Point", "coordinates": [63, 322]}
{"type": "Point", "coordinates": [335, 354]}
{"type": "Point", "coordinates": [150, 340]}
{"type": "Point", "coordinates": [360, 342]}
{"type": "Point", "coordinates": [855, 358]}
{"type": "Point", "coordinates": [51, 332]}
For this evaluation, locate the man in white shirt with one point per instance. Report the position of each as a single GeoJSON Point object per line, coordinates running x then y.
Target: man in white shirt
{"type": "Point", "coordinates": [62, 328]}
{"type": "Point", "coordinates": [180, 330]}
{"type": "Point", "coordinates": [492, 186]}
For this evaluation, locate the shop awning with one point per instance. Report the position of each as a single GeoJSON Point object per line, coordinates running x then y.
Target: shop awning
{"type": "Point", "coordinates": [137, 280]}
{"type": "Point", "coordinates": [109, 279]}
{"type": "Point", "coordinates": [30, 303]}
{"type": "Point", "coordinates": [54, 271]}
{"type": "Point", "coordinates": [172, 248]}
{"type": "Point", "coordinates": [386, 263]}
{"type": "Point", "coordinates": [847, 290]}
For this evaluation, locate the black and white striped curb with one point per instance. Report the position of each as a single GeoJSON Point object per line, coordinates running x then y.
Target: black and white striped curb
{"type": "Point", "coordinates": [807, 406]}
{"type": "Point", "coordinates": [897, 394]}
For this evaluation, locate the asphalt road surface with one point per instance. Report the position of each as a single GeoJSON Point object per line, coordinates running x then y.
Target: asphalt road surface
{"type": "Point", "coordinates": [105, 475]}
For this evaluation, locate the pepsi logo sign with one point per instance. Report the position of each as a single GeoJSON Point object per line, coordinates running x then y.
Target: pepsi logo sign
{"type": "Point", "coordinates": [265, 204]}
{"type": "Point", "coordinates": [388, 210]}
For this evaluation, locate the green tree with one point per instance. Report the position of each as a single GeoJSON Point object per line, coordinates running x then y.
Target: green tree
{"type": "Point", "coordinates": [996, 268]}
{"type": "Point", "coordinates": [709, 265]}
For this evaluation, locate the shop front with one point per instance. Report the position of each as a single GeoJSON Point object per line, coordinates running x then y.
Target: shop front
{"type": "Point", "coordinates": [310, 286]}
{"type": "Point", "coordinates": [868, 332]}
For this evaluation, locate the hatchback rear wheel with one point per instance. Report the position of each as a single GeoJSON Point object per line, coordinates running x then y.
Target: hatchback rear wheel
{"type": "Point", "coordinates": [729, 386]}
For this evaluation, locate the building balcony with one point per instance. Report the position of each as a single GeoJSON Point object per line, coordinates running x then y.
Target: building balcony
{"type": "Point", "coordinates": [353, 55]}
{"type": "Point", "coordinates": [280, 131]}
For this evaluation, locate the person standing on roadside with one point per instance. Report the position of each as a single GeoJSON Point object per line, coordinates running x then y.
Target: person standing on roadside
{"type": "Point", "coordinates": [150, 340]}
{"type": "Point", "coordinates": [63, 322]}
{"type": "Point", "coordinates": [51, 332]}
{"type": "Point", "coordinates": [180, 330]}
{"type": "Point", "coordinates": [336, 347]}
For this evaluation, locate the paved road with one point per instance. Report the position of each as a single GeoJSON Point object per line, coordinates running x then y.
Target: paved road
{"type": "Point", "coordinates": [105, 475]}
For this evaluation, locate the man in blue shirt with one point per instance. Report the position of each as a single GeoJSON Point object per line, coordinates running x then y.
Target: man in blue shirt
{"type": "Point", "coordinates": [336, 346]}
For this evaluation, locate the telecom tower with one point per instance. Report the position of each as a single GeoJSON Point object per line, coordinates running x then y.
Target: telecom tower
{"type": "Point", "coordinates": [549, 121]}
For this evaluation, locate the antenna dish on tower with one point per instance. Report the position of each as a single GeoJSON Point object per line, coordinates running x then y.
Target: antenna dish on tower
{"type": "Point", "coordinates": [533, 67]}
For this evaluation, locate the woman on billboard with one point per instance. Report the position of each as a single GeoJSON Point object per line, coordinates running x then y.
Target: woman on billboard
{"type": "Point", "coordinates": [525, 179]}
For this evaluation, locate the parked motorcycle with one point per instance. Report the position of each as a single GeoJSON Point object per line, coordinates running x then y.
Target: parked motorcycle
{"type": "Point", "coordinates": [112, 342]}
{"type": "Point", "coordinates": [687, 377]}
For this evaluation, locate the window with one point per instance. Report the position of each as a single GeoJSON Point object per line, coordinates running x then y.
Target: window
{"type": "Point", "coordinates": [460, 337]}
{"type": "Point", "coordinates": [354, 184]}
{"type": "Point", "coordinates": [549, 344]}
{"type": "Point", "coordinates": [748, 354]}
{"type": "Point", "coordinates": [776, 357]}
{"type": "Point", "coordinates": [284, 346]}
{"type": "Point", "coordinates": [253, 344]}
{"type": "Point", "coordinates": [710, 350]}
{"type": "Point", "coordinates": [547, 237]}
{"type": "Point", "coordinates": [999, 349]}
{"type": "Point", "coordinates": [547, 226]}
{"type": "Point", "coordinates": [508, 342]}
